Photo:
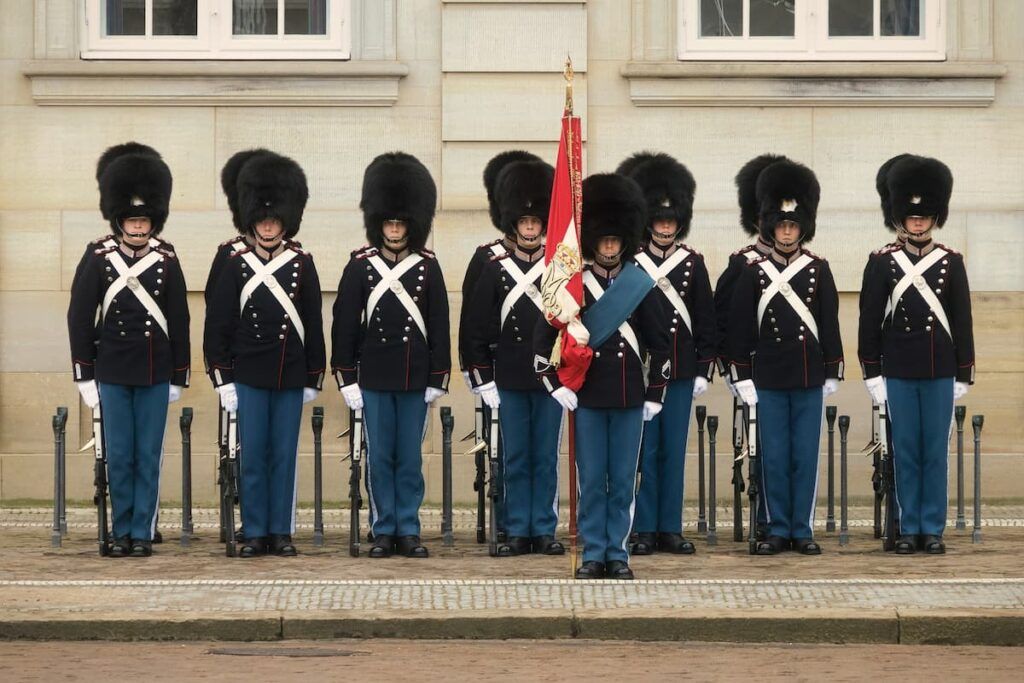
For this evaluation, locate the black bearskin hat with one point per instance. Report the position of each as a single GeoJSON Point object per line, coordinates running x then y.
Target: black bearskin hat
{"type": "Point", "coordinates": [491, 172]}
{"type": "Point", "coordinates": [613, 205]}
{"type": "Point", "coordinates": [523, 188]}
{"type": "Point", "coordinates": [746, 189]}
{"type": "Point", "coordinates": [134, 181]}
{"type": "Point", "coordinates": [229, 182]}
{"type": "Point", "coordinates": [918, 186]}
{"type": "Point", "coordinates": [271, 186]}
{"type": "Point", "coordinates": [882, 186]}
{"type": "Point", "coordinates": [396, 186]}
{"type": "Point", "coordinates": [787, 191]}
{"type": "Point", "coordinates": [668, 187]}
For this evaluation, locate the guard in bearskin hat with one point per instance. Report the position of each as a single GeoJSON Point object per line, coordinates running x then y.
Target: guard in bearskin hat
{"type": "Point", "coordinates": [264, 341]}
{"type": "Point", "coordinates": [134, 359]}
{"type": "Point", "coordinates": [785, 351]}
{"type": "Point", "coordinates": [620, 392]}
{"type": "Point", "coordinates": [506, 306]}
{"type": "Point", "coordinates": [916, 341]}
{"type": "Point", "coordinates": [687, 310]}
{"type": "Point", "coordinates": [391, 349]}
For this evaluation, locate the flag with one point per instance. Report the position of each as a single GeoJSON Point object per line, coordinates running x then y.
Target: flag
{"type": "Point", "coordinates": [562, 283]}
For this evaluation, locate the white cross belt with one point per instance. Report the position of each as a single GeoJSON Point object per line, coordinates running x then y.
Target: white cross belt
{"type": "Point", "coordinates": [128, 278]}
{"type": "Point", "coordinates": [780, 285]}
{"type": "Point", "coordinates": [660, 276]}
{"type": "Point", "coordinates": [625, 329]}
{"type": "Point", "coordinates": [390, 280]}
{"type": "Point", "coordinates": [264, 275]}
{"type": "Point", "coordinates": [914, 275]}
{"type": "Point", "coordinates": [525, 285]}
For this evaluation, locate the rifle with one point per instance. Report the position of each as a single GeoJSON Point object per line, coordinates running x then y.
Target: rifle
{"type": "Point", "coordinates": [185, 423]}
{"type": "Point", "coordinates": [229, 490]}
{"type": "Point", "coordinates": [447, 425]}
{"type": "Point", "coordinates": [874, 449]}
{"type": "Point", "coordinates": [480, 459]}
{"type": "Point", "coordinates": [355, 496]}
{"type": "Point", "coordinates": [702, 524]}
{"type": "Point", "coordinates": [100, 481]}
{"type": "Point", "coordinates": [737, 470]}
{"type": "Point", "coordinates": [753, 489]}
{"type": "Point", "coordinates": [317, 421]}
{"type": "Point", "coordinates": [222, 469]}
{"type": "Point", "coordinates": [890, 525]}
{"type": "Point", "coordinates": [60, 522]}
{"type": "Point", "coordinates": [494, 488]}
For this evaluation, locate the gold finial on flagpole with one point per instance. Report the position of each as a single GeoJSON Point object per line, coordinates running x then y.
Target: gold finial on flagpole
{"type": "Point", "coordinates": [568, 73]}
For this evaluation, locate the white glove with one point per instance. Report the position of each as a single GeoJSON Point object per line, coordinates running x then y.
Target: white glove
{"type": "Point", "coordinates": [432, 394]}
{"type": "Point", "coordinates": [353, 397]}
{"type": "Point", "coordinates": [730, 387]}
{"type": "Point", "coordinates": [651, 410]}
{"type": "Point", "coordinates": [830, 387]}
{"type": "Point", "coordinates": [228, 397]}
{"type": "Point", "coordinates": [700, 385]}
{"type": "Point", "coordinates": [489, 393]}
{"type": "Point", "coordinates": [566, 398]}
{"type": "Point", "coordinates": [876, 387]}
{"type": "Point", "coordinates": [90, 392]}
{"type": "Point", "coordinates": [174, 393]}
{"type": "Point", "coordinates": [959, 390]}
{"type": "Point", "coordinates": [309, 394]}
{"type": "Point", "coordinates": [746, 391]}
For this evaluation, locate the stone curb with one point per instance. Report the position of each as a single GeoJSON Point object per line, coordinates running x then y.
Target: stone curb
{"type": "Point", "coordinates": [947, 627]}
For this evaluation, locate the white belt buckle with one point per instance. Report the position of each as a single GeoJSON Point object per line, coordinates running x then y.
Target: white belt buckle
{"type": "Point", "coordinates": [270, 281]}
{"type": "Point", "coordinates": [532, 292]}
{"type": "Point", "coordinates": [919, 282]}
{"type": "Point", "coordinates": [396, 286]}
{"type": "Point", "coordinates": [133, 283]}
{"type": "Point", "coordinates": [785, 288]}
{"type": "Point", "coordinates": [664, 284]}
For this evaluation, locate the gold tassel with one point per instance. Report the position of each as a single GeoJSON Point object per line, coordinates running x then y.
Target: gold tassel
{"type": "Point", "coordinates": [556, 350]}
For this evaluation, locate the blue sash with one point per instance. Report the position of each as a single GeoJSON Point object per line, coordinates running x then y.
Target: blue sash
{"type": "Point", "coordinates": [617, 303]}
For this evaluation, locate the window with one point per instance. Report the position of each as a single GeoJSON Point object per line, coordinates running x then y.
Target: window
{"type": "Point", "coordinates": [773, 30]}
{"type": "Point", "coordinates": [217, 29]}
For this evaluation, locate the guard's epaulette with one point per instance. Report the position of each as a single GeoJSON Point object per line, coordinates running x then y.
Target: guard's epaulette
{"type": "Point", "coordinates": [888, 249]}
{"type": "Point", "coordinates": [743, 250]}
{"type": "Point", "coordinates": [365, 252]}
{"type": "Point", "coordinates": [360, 249]}
{"type": "Point", "coordinates": [297, 248]}
{"type": "Point", "coordinates": [101, 240]}
{"type": "Point", "coordinates": [105, 250]}
{"type": "Point", "coordinates": [169, 253]}
{"type": "Point", "coordinates": [231, 241]}
{"type": "Point", "coordinates": [690, 249]}
{"type": "Point", "coordinates": [954, 252]}
{"type": "Point", "coordinates": [425, 253]}
{"type": "Point", "coordinates": [812, 254]}
{"type": "Point", "coordinates": [498, 257]}
{"type": "Point", "coordinates": [488, 245]}
{"type": "Point", "coordinates": [760, 259]}
{"type": "Point", "coordinates": [246, 250]}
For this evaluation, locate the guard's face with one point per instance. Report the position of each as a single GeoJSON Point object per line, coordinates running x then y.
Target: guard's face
{"type": "Point", "coordinates": [395, 232]}
{"type": "Point", "coordinates": [135, 231]}
{"type": "Point", "coordinates": [663, 231]}
{"type": "Point", "coordinates": [918, 225]}
{"type": "Point", "coordinates": [529, 229]}
{"type": "Point", "coordinates": [609, 247]}
{"type": "Point", "coordinates": [787, 234]}
{"type": "Point", "coordinates": [269, 231]}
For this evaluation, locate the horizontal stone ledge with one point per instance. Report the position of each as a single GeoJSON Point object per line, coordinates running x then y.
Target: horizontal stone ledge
{"type": "Point", "coordinates": [801, 84]}
{"type": "Point", "coordinates": [214, 83]}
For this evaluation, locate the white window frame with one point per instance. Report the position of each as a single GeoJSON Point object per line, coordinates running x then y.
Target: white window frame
{"type": "Point", "coordinates": [214, 39]}
{"type": "Point", "coordinates": [811, 41]}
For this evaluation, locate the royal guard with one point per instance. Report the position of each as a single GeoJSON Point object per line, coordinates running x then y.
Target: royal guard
{"type": "Point", "coordinates": [499, 324]}
{"type": "Point", "coordinates": [391, 349]}
{"type": "Point", "coordinates": [134, 358]}
{"type": "Point", "coordinates": [916, 341]}
{"type": "Point", "coordinates": [625, 383]}
{"type": "Point", "coordinates": [683, 290]}
{"type": "Point", "coordinates": [264, 345]}
{"type": "Point", "coordinates": [786, 354]}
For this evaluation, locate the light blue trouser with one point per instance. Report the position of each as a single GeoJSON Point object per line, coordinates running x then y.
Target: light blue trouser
{"type": "Point", "coordinates": [659, 505]}
{"type": "Point", "coordinates": [530, 422]}
{"type": "Point", "coordinates": [921, 412]}
{"type": "Point", "coordinates": [607, 449]}
{"type": "Point", "coordinates": [268, 428]}
{"type": "Point", "coordinates": [134, 419]}
{"type": "Point", "coordinates": [394, 422]}
{"type": "Point", "coordinates": [789, 423]}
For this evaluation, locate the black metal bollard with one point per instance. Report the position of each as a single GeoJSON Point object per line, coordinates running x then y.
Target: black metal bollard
{"type": "Point", "coordinates": [702, 522]}
{"type": "Point", "coordinates": [844, 520]}
{"type": "Point", "coordinates": [447, 425]}
{"type": "Point", "coordinates": [960, 413]}
{"type": "Point", "coordinates": [185, 423]}
{"type": "Point", "coordinates": [60, 524]}
{"type": "Point", "coordinates": [712, 536]}
{"type": "Point", "coordinates": [977, 421]}
{"type": "Point", "coordinates": [318, 476]}
{"type": "Point", "coordinates": [830, 519]}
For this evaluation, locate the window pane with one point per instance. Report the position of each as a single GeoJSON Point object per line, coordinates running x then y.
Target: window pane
{"type": "Point", "coordinates": [721, 18]}
{"type": "Point", "coordinates": [174, 17]}
{"type": "Point", "coordinates": [850, 17]}
{"type": "Point", "coordinates": [900, 17]}
{"type": "Point", "coordinates": [125, 17]}
{"type": "Point", "coordinates": [305, 17]}
{"type": "Point", "coordinates": [772, 18]}
{"type": "Point", "coordinates": [254, 18]}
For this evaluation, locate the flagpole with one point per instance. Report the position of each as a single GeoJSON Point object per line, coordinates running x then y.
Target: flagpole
{"type": "Point", "coordinates": [573, 490]}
